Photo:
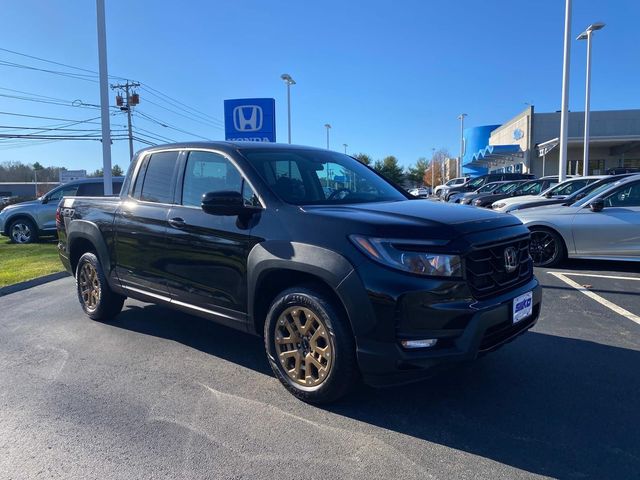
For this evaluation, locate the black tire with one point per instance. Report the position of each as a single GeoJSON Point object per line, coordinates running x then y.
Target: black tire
{"type": "Point", "coordinates": [342, 374]}
{"type": "Point", "coordinates": [23, 231]}
{"type": "Point", "coordinates": [547, 247]}
{"type": "Point", "coordinates": [96, 298]}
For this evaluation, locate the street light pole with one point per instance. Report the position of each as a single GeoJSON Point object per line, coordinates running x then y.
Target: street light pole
{"type": "Point", "coordinates": [345, 148]}
{"type": "Point", "coordinates": [289, 81]}
{"type": "Point", "coordinates": [459, 166]}
{"type": "Point", "coordinates": [104, 98]}
{"type": "Point", "coordinates": [586, 35]}
{"type": "Point", "coordinates": [327, 126]}
{"type": "Point", "coordinates": [433, 170]}
{"type": "Point", "coordinates": [564, 112]}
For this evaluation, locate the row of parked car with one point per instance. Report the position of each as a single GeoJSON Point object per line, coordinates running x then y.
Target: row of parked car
{"type": "Point", "coordinates": [595, 217]}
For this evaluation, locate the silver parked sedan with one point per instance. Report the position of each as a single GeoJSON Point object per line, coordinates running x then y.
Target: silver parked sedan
{"type": "Point", "coordinates": [605, 225]}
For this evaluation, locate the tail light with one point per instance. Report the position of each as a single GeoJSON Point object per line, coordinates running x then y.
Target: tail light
{"type": "Point", "coordinates": [58, 216]}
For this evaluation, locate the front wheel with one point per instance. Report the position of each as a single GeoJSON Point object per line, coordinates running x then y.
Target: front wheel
{"type": "Point", "coordinates": [23, 230]}
{"type": "Point", "coordinates": [546, 248]}
{"type": "Point", "coordinates": [310, 346]}
{"type": "Point", "coordinates": [97, 299]}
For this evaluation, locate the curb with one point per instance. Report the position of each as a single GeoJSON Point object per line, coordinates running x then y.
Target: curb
{"type": "Point", "coordinates": [18, 287]}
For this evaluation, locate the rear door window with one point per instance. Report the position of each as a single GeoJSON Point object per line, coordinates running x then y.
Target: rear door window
{"type": "Point", "coordinates": [158, 184]}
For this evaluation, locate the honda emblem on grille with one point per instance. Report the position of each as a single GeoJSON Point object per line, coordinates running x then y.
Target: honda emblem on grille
{"type": "Point", "coordinates": [510, 259]}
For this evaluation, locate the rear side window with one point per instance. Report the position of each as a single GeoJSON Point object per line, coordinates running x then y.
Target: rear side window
{"type": "Point", "coordinates": [96, 189]}
{"type": "Point", "coordinates": [93, 189]}
{"type": "Point", "coordinates": [158, 184]}
{"type": "Point", "coordinates": [66, 191]}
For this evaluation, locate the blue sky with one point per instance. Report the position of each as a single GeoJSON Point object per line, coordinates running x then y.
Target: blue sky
{"type": "Point", "coordinates": [390, 77]}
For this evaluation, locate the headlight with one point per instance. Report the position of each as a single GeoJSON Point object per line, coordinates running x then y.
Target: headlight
{"type": "Point", "coordinates": [498, 205]}
{"type": "Point", "coordinates": [410, 256]}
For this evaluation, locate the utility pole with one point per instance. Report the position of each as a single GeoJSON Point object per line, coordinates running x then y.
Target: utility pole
{"type": "Point", "coordinates": [345, 148]}
{"type": "Point", "coordinates": [564, 111]}
{"type": "Point", "coordinates": [459, 165]}
{"type": "Point", "coordinates": [104, 98]}
{"type": "Point", "coordinates": [131, 101]}
{"type": "Point", "coordinates": [433, 170]}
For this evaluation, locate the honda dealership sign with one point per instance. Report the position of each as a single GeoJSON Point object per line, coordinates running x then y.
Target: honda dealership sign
{"type": "Point", "coordinates": [250, 119]}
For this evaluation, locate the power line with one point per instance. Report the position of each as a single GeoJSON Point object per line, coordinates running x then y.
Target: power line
{"type": "Point", "coordinates": [166, 125]}
{"type": "Point", "coordinates": [77, 76]}
{"type": "Point", "coordinates": [47, 118]}
{"type": "Point", "coordinates": [65, 103]}
{"type": "Point", "coordinates": [56, 63]}
{"type": "Point", "coordinates": [193, 119]}
{"type": "Point", "coordinates": [178, 104]}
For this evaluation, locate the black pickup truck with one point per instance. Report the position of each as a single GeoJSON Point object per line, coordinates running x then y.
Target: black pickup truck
{"type": "Point", "coordinates": [343, 274]}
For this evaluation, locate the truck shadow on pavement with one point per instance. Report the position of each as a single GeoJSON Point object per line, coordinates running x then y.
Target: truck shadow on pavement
{"type": "Point", "coordinates": [554, 406]}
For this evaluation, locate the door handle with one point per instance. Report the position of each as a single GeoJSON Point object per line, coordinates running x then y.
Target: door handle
{"type": "Point", "coordinates": [177, 222]}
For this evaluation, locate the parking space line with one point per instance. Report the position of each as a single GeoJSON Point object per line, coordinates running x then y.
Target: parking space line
{"type": "Point", "coordinates": [612, 277]}
{"type": "Point", "coordinates": [602, 301]}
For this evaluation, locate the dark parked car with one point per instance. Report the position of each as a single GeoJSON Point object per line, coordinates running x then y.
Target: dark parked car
{"type": "Point", "coordinates": [25, 222]}
{"type": "Point", "coordinates": [363, 282]}
{"type": "Point", "coordinates": [504, 189]}
{"type": "Point", "coordinates": [621, 170]}
{"type": "Point", "coordinates": [461, 197]}
{"type": "Point", "coordinates": [478, 182]}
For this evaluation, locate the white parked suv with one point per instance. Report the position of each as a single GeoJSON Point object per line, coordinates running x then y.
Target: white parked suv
{"type": "Point", "coordinates": [454, 181]}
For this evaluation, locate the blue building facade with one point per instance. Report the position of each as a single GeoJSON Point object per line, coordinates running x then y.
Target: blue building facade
{"type": "Point", "coordinates": [475, 139]}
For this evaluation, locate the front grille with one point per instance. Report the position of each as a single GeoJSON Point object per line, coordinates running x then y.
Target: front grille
{"type": "Point", "coordinates": [486, 271]}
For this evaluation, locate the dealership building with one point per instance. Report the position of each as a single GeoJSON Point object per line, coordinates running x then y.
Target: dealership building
{"type": "Point", "coordinates": [528, 143]}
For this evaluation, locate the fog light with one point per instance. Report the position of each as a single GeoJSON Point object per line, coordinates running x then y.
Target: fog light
{"type": "Point", "coordinates": [425, 343]}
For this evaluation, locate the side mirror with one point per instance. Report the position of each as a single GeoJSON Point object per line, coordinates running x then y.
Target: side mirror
{"type": "Point", "coordinates": [548, 195]}
{"type": "Point", "coordinates": [225, 203]}
{"type": "Point", "coordinates": [45, 200]}
{"type": "Point", "coordinates": [580, 196]}
{"type": "Point", "coordinates": [597, 205]}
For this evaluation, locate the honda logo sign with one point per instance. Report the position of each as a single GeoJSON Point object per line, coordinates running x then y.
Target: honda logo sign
{"type": "Point", "coordinates": [247, 118]}
{"type": "Point", "coordinates": [251, 119]}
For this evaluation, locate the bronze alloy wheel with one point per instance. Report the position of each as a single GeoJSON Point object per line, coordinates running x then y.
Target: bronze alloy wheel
{"type": "Point", "coordinates": [89, 286]}
{"type": "Point", "coordinates": [303, 346]}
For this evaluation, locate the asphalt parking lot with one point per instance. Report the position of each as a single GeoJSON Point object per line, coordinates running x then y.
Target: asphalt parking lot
{"type": "Point", "coordinates": [159, 394]}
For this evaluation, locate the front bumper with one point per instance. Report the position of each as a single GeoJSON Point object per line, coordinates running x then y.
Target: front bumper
{"type": "Point", "coordinates": [465, 328]}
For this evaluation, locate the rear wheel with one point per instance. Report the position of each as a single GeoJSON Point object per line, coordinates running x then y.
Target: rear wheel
{"type": "Point", "coordinates": [97, 299]}
{"type": "Point", "coordinates": [547, 248]}
{"type": "Point", "coordinates": [23, 230]}
{"type": "Point", "coordinates": [310, 346]}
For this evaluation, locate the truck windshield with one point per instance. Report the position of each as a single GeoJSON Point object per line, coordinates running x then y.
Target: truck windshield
{"type": "Point", "coordinates": [312, 177]}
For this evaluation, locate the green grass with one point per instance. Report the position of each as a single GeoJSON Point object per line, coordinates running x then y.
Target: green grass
{"type": "Point", "coordinates": [19, 263]}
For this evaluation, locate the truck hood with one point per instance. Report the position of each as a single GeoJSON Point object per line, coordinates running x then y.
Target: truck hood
{"type": "Point", "coordinates": [421, 214]}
